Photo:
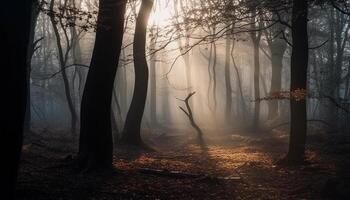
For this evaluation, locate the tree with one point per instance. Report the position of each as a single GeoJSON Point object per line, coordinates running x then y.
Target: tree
{"type": "Point", "coordinates": [256, 37]}
{"type": "Point", "coordinates": [63, 58]}
{"type": "Point", "coordinates": [32, 48]}
{"type": "Point", "coordinates": [95, 143]}
{"type": "Point", "coordinates": [15, 23]}
{"type": "Point", "coordinates": [277, 48]}
{"type": "Point", "coordinates": [153, 79]}
{"type": "Point", "coordinates": [188, 112]}
{"type": "Point", "coordinates": [299, 64]}
{"type": "Point", "coordinates": [228, 111]}
{"type": "Point", "coordinates": [131, 133]}
{"type": "Point", "coordinates": [186, 44]}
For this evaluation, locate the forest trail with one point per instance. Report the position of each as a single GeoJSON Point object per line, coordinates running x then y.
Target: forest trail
{"type": "Point", "coordinates": [231, 167]}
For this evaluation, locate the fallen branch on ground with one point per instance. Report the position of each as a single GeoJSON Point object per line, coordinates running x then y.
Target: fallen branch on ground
{"type": "Point", "coordinates": [180, 174]}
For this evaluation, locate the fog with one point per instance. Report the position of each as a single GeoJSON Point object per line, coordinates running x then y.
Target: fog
{"type": "Point", "coordinates": [48, 104]}
{"type": "Point", "coordinates": [175, 99]}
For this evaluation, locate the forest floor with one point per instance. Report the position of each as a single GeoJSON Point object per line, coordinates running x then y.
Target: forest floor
{"type": "Point", "coordinates": [235, 166]}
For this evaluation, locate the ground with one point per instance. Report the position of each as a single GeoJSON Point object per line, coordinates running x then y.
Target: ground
{"type": "Point", "coordinates": [228, 166]}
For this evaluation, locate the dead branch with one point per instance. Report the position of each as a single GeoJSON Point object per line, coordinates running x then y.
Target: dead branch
{"type": "Point", "coordinates": [189, 114]}
{"type": "Point", "coordinates": [180, 174]}
{"type": "Point", "coordinates": [331, 99]}
{"type": "Point", "coordinates": [64, 68]}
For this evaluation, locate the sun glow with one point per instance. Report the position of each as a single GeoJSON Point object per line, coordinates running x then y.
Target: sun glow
{"type": "Point", "coordinates": [161, 14]}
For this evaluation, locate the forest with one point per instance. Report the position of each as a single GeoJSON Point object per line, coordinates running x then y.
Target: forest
{"type": "Point", "coordinates": [175, 99]}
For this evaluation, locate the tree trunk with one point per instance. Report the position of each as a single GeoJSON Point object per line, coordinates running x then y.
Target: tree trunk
{"type": "Point", "coordinates": [16, 17]}
{"type": "Point", "coordinates": [122, 85]}
{"type": "Point", "coordinates": [31, 49]}
{"type": "Point", "coordinates": [189, 114]}
{"type": "Point", "coordinates": [131, 134]}
{"type": "Point", "coordinates": [62, 59]}
{"type": "Point", "coordinates": [214, 75]}
{"type": "Point", "coordinates": [95, 144]}
{"type": "Point", "coordinates": [256, 36]}
{"type": "Point", "coordinates": [299, 63]}
{"type": "Point", "coordinates": [153, 81]}
{"type": "Point", "coordinates": [256, 85]}
{"type": "Point", "coordinates": [228, 111]}
{"type": "Point", "coordinates": [277, 48]}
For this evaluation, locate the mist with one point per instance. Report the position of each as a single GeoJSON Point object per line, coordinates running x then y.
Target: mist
{"type": "Point", "coordinates": [182, 99]}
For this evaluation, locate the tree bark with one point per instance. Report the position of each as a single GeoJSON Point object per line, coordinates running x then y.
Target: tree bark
{"type": "Point", "coordinates": [299, 64]}
{"type": "Point", "coordinates": [15, 17]}
{"type": "Point", "coordinates": [131, 134]}
{"type": "Point", "coordinates": [95, 144]}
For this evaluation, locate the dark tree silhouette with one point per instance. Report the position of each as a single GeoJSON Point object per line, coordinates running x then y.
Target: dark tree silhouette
{"type": "Point", "coordinates": [299, 64]}
{"type": "Point", "coordinates": [95, 145]}
{"type": "Point", "coordinates": [32, 48]}
{"type": "Point", "coordinates": [131, 134]}
{"type": "Point", "coordinates": [15, 28]}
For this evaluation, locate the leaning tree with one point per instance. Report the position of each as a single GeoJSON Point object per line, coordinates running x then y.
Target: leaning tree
{"type": "Point", "coordinates": [95, 143]}
{"type": "Point", "coordinates": [131, 133]}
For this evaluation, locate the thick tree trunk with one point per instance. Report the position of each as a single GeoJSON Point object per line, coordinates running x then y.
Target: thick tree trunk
{"type": "Point", "coordinates": [299, 64]}
{"type": "Point", "coordinates": [131, 134]}
{"type": "Point", "coordinates": [15, 22]}
{"type": "Point", "coordinates": [95, 144]}
{"type": "Point", "coordinates": [31, 49]}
